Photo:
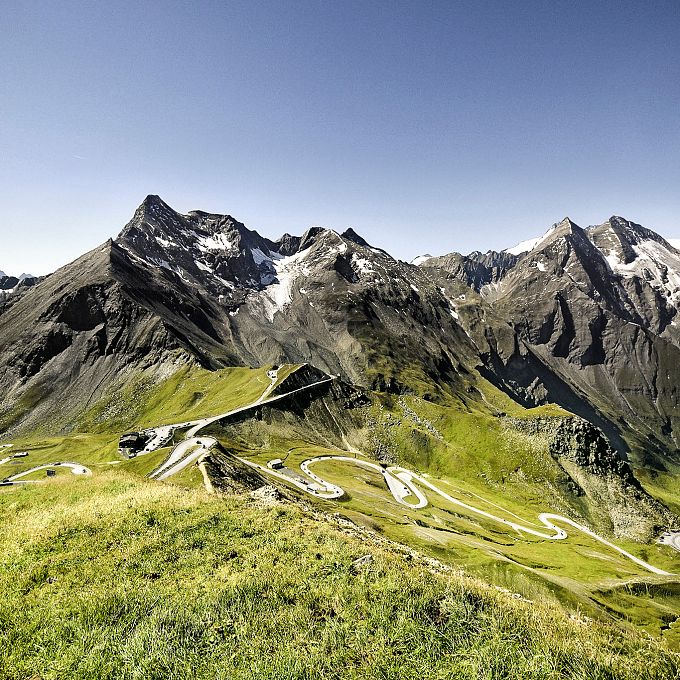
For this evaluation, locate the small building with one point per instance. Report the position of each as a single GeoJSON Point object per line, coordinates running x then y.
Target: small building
{"type": "Point", "coordinates": [21, 454]}
{"type": "Point", "coordinates": [132, 442]}
{"type": "Point", "coordinates": [275, 464]}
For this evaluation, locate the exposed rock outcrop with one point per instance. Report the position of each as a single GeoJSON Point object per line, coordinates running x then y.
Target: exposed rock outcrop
{"type": "Point", "coordinates": [616, 497]}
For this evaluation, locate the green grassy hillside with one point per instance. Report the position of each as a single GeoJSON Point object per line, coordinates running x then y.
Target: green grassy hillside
{"type": "Point", "coordinates": [133, 561]}
{"type": "Point", "coordinates": [119, 577]}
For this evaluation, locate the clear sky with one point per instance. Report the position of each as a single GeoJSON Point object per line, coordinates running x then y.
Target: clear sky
{"type": "Point", "coordinates": [426, 126]}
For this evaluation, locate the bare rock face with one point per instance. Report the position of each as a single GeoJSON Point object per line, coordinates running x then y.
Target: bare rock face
{"type": "Point", "coordinates": [575, 439]}
{"type": "Point", "coordinates": [266, 495]}
{"type": "Point", "coordinates": [587, 319]}
{"type": "Point", "coordinates": [597, 472]}
{"type": "Point", "coordinates": [476, 269]}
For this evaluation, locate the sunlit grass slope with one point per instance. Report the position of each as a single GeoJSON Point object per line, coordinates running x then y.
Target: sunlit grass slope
{"type": "Point", "coordinates": [120, 577]}
{"type": "Point", "coordinates": [187, 394]}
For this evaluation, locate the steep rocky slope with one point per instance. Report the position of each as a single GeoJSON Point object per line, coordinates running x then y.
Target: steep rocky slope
{"type": "Point", "coordinates": [202, 288]}
{"type": "Point", "coordinates": [592, 327]}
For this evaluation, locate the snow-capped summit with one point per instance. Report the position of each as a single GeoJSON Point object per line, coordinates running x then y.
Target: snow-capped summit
{"type": "Point", "coordinates": [635, 252]}
{"type": "Point", "coordinates": [530, 244]}
{"type": "Point", "coordinates": [523, 246]}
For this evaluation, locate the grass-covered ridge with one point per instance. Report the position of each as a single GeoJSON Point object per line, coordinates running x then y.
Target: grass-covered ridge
{"type": "Point", "coordinates": [120, 577]}
{"type": "Point", "coordinates": [461, 442]}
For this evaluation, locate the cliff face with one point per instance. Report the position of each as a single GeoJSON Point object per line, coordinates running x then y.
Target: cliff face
{"type": "Point", "coordinates": [597, 473]}
{"type": "Point", "coordinates": [476, 269]}
{"type": "Point", "coordinates": [575, 439]}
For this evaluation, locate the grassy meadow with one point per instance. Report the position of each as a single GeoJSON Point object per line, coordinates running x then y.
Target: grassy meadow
{"type": "Point", "coordinates": [116, 576]}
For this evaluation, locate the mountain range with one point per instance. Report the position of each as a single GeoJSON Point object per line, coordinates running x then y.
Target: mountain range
{"type": "Point", "coordinates": [584, 318]}
{"type": "Point", "coordinates": [540, 378]}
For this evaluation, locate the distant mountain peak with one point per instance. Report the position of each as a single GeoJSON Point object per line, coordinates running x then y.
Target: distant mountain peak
{"type": "Point", "coordinates": [351, 235]}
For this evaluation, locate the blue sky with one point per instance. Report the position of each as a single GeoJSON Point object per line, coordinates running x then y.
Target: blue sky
{"type": "Point", "coordinates": [426, 126]}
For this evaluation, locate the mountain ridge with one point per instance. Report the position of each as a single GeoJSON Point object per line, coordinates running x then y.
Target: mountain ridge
{"type": "Point", "coordinates": [203, 288]}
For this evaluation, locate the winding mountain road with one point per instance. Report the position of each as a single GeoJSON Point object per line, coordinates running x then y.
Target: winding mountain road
{"type": "Point", "coordinates": [76, 469]}
{"type": "Point", "coordinates": [192, 447]}
{"type": "Point", "coordinates": [401, 483]}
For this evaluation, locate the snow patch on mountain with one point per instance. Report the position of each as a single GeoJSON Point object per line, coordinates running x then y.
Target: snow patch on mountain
{"type": "Point", "coordinates": [361, 265]}
{"type": "Point", "coordinates": [259, 257]}
{"type": "Point", "coordinates": [523, 246]}
{"type": "Point", "coordinates": [531, 243]}
{"type": "Point", "coordinates": [655, 264]}
{"type": "Point", "coordinates": [420, 259]}
{"type": "Point", "coordinates": [165, 242]}
{"type": "Point", "coordinates": [216, 241]}
{"type": "Point", "coordinates": [279, 293]}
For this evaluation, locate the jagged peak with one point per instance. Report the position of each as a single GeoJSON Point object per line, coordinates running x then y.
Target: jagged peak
{"type": "Point", "coordinates": [351, 235]}
{"type": "Point", "coordinates": [310, 236]}
{"type": "Point", "coordinates": [152, 211]}
{"type": "Point", "coordinates": [633, 232]}
{"type": "Point", "coordinates": [155, 208]}
{"type": "Point", "coordinates": [154, 200]}
{"type": "Point", "coordinates": [287, 244]}
{"type": "Point", "coordinates": [566, 222]}
{"type": "Point", "coordinates": [563, 228]}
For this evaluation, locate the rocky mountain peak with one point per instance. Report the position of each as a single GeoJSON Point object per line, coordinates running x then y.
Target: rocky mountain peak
{"type": "Point", "coordinates": [287, 244]}
{"type": "Point", "coordinates": [153, 216]}
{"type": "Point", "coordinates": [627, 233]}
{"type": "Point", "coordinates": [310, 236]}
{"type": "Point", "coordinates": [154, 209]}
{"type": "Point", "coordinates": [561, 229]}
{"type": "Point", "coordinates": [351, 235]}
{"type": "Point", "coordinates": [566, 223]}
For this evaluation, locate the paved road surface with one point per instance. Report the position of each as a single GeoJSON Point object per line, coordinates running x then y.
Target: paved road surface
{"type": "Point", "coordinates": [407, 488]}
{"type": "Point", "coordinates": [671, 538]}
{"type": "Point", "coordinates": [76, 469]}
{"type": "Point", "coordinates": [192, 447]}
